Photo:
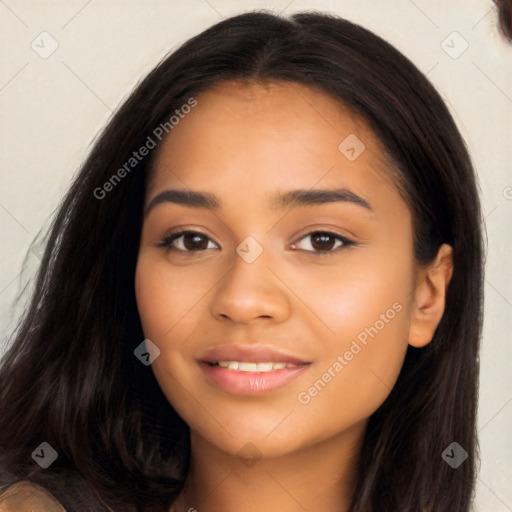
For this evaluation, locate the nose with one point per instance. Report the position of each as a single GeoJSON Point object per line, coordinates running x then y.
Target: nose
{"type": "Point", "coordinates": [249, 292]}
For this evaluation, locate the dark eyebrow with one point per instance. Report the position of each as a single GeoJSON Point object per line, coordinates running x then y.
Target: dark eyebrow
{"type": "Point", "coordinates": [292, 198]}
{"type": "Point", "coordinates": [296, 198]}
{"type": "Point", "coordinates": [185, 198]}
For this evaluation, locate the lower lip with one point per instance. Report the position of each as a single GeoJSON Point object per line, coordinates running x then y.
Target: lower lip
{"type": "Point", "coordinates": [241, 383]}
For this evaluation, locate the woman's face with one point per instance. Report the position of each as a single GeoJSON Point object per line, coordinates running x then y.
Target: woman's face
{"type": "Point", "coordinates": [323, 283]}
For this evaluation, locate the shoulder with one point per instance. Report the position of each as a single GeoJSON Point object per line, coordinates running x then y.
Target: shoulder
{"type": "Point", "coordinates": [26, 496]}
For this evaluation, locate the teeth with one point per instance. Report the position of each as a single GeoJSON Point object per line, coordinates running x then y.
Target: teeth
{"type": "Point", "coordinates": [254, 367]}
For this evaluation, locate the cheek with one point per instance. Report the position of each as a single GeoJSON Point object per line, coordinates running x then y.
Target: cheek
{"type": "Point", "coordinates": [152, 298]}
{"type": "Point", "coordinates": [165, 302]}
{"type": "Point", "coordinates": [367, 313]}
{"type": "Point", "coordinates": [164, 296]}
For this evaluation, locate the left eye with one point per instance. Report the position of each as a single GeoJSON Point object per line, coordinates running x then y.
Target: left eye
{"type": "Point", "coordinates": [324, 242]}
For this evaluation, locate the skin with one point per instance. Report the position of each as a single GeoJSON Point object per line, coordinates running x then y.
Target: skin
{"type": "Point", "coordinates": [244, 143]}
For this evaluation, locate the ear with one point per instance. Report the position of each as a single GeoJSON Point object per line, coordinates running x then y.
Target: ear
{"type": "Point", "coordinates": [429, 297]}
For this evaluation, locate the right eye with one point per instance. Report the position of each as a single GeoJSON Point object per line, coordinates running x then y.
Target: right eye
{"type": "Point", "coordinates": [187, 241]}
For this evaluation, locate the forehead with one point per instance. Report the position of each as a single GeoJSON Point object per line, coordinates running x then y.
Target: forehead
{"type": "Point", "coordinates": [254, 138]}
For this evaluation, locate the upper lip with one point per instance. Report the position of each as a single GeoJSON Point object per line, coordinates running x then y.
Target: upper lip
{"type": "Point", "coordinates": [250, 354]}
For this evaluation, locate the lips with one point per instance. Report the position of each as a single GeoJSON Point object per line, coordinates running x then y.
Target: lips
{"type": "Point", "coordinates": [243, 370]}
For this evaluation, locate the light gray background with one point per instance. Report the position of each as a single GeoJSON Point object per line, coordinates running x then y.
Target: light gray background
{"type": "Point", "coordinates": [52, 108]}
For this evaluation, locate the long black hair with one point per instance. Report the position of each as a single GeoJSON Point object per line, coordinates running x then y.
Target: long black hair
{"type": "Point", "coordinates": [70, 377]}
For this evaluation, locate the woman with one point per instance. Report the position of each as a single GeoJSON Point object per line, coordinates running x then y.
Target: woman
{"type": "Point", "coordinates": [263, 290]}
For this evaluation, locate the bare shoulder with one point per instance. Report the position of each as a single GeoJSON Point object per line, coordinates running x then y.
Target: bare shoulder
{"type": "Point", "coordinates": [26, 496]}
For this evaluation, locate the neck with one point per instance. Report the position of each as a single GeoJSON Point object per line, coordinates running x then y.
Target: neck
{"type": "Point", "coordinates": [317, 477]}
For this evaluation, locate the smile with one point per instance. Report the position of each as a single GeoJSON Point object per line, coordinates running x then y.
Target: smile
{"type": "Point", "coordinates": [250, 368]}
{"type": "Point", "coordinates": [254, 367]}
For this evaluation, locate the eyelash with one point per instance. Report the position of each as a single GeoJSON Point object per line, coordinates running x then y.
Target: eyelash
{"type": "Point", "coordinates": [167, 241]}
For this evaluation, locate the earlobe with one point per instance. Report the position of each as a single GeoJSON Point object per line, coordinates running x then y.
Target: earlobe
{"type": "Point", "coordinates": [430, 297]}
